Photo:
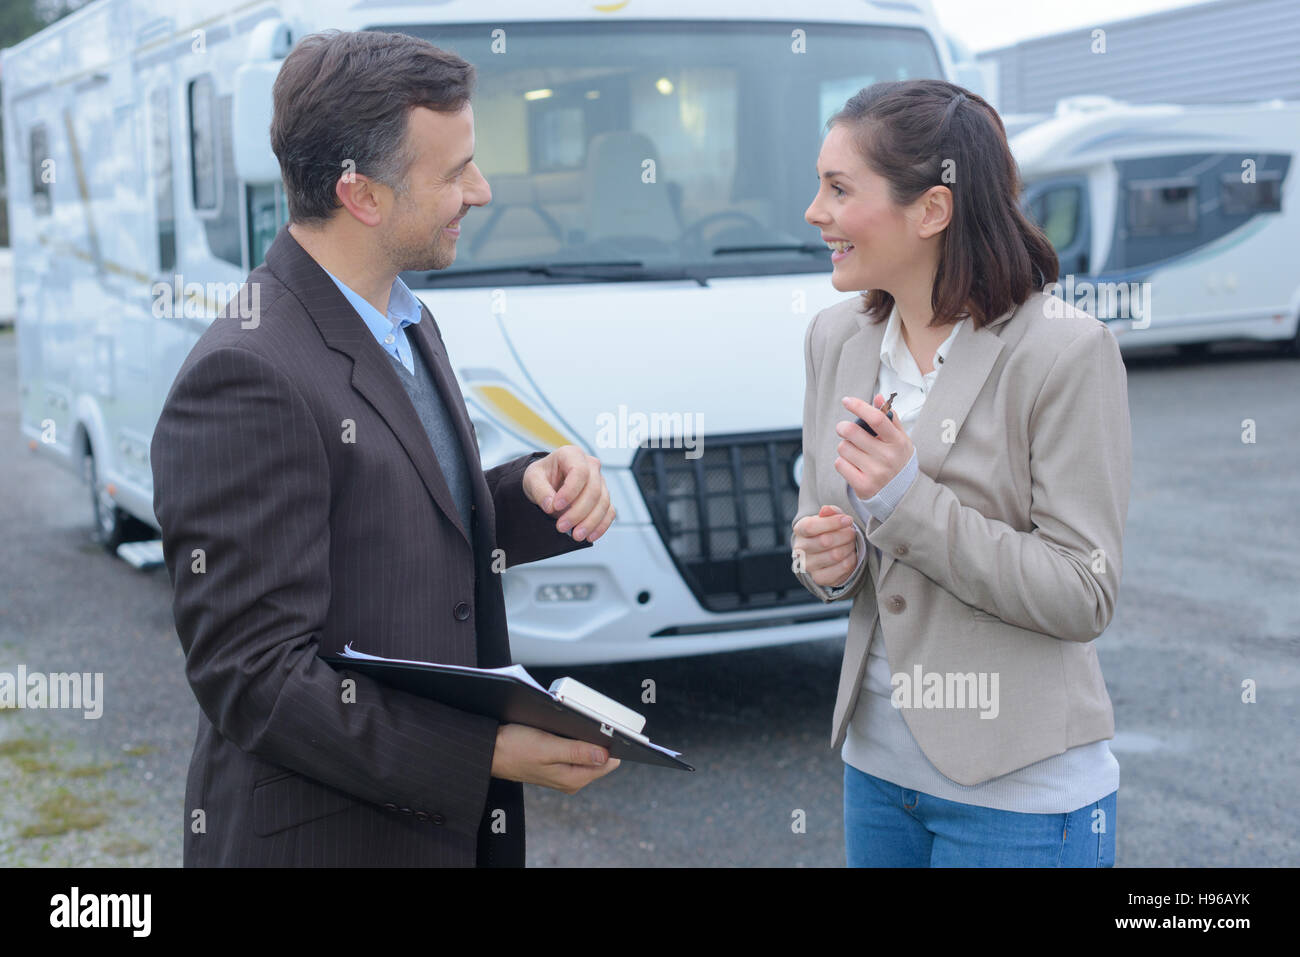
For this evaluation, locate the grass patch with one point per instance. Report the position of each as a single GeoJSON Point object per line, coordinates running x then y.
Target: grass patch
{"type": "Point", "coordinates": [138, 750]}
{"type": "Point", "coordinates": [62, 813]}
{"type": "Point", "coordinates": [92, 770]}
{"type": "Point", "coordinates": [125, 848]}
{"type": "Point", "coordinates": [30, 765]}
{"type": "Point", "coordinates": [15, 747]}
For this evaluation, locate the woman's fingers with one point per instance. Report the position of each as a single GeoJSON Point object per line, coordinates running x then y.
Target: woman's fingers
{"type": "Point", "coordinates": [826, 540]}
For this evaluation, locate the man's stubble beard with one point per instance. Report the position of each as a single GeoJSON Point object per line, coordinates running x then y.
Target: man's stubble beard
{"type": "Point", "coordinates": [418, 254]}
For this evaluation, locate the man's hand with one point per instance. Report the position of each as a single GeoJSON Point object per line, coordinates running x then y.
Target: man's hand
{"type": "Point", "coordinates": [539, 757]}
{"type": "Point", "coordinates": [868, 462]}
{"type": "Point", "coordinates": [829, 546]}
{"type": "Point", "coordinates": [568, 483]}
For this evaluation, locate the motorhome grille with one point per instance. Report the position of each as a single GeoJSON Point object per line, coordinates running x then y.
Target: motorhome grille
{"type": "Point", "coordinates": [725, 516]}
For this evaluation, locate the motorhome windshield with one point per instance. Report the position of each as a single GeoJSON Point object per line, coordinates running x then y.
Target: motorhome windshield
{"type": "Point", "coordinates": [656, 149]}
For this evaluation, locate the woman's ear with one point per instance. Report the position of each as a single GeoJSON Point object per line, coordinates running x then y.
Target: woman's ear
{"type": "Point", "coordinates": [935, 206]}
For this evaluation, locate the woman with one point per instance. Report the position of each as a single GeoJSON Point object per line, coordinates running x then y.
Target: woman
{"type": "Point", "coordinates": [978, 533]}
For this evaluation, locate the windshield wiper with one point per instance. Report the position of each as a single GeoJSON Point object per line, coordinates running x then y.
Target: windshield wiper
{"type": "Point", "coordinates": [604, 270]}
{"type": "Point", "coordinates": [772, 248]}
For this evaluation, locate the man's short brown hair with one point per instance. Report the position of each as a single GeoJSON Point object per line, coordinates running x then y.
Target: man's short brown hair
{"type": "Point", "coordinates": [344, 96]}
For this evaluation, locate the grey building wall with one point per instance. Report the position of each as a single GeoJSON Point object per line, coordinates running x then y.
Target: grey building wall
{"type": "Point", "coordinates": [1230, 50]}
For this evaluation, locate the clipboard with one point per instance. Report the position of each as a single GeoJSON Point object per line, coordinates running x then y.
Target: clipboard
{"type": "Point", "coordinates": [510, 695]}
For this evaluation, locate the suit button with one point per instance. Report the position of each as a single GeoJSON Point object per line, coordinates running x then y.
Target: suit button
{"type": "Point", "coordinates": [422, 815]}
{"type": "Point", "coordinates": [900, 551]}
{"type": "Point", "coordinates": [437, 819]}
{"type": "Point", "coordinates": [897, 604]}
{"type": "Point", "coordinates": [461, 611]}
{"type": "Point", "coordinates": [391, 807]}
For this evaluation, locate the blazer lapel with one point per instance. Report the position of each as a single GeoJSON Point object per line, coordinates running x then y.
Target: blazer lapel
{"type": "Point", "coordinates": [967, 368]}
{"type": "Point", "coordinates": [372, 373]}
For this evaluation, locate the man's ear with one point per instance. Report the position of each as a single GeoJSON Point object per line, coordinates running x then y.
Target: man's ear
{"type": "Point", "coordinates": [359, 195]}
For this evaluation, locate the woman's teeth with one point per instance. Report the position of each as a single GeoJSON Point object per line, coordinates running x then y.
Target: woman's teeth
{"type": "Point", "coordinates": [840, 246]}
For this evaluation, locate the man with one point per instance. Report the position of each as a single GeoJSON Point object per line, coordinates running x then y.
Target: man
{"type": "Point", "coordinates": [318, 483]}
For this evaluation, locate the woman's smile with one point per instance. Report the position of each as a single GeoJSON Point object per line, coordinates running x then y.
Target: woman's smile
{"type": "Point", "coordinates": [840, 248]}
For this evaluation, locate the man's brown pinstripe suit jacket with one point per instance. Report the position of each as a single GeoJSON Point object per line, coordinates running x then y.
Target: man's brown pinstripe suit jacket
{"type": "Point", "coordinates": [310, 541]}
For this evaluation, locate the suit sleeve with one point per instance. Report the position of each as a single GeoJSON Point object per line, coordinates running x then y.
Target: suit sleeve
{"type": "Point", "coordinates": [808, 504]}
{"type": "Point", "coordinates": [242, 494]}
{"type": "Point", "coordinates": [1062, 577]}
{"type": "Point", "coordinates": [524, 532]}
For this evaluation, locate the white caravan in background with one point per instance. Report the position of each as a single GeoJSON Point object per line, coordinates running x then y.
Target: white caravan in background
{"type": "Point", "coordinates": [1185, 220]}
{"type": "Point", "coordinates": [644, 259]}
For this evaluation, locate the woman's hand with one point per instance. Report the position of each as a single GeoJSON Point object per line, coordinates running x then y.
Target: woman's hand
{"type": "Point", "coordinates": [867, 461]}
{"type": "Point", "coordinates": [828, 544]}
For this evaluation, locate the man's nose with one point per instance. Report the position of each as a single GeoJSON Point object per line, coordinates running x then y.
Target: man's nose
{"type": "Point", "coordinates": [480, 193]}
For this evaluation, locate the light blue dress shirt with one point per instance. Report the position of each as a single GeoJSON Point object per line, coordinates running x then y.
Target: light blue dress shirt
{"type": "Point", "coordinates": [403, 311]}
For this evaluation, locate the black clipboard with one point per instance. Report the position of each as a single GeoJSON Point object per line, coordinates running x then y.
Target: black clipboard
{"type": "Point", "coordinates": [508, 698]}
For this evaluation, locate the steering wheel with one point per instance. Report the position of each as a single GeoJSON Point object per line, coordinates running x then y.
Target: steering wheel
{"type": "Point", "coordinates": [689, 234]}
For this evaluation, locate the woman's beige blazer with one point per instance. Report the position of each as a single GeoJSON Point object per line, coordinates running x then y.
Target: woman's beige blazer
{"type": "Point", "coordinates": [1004, 555]}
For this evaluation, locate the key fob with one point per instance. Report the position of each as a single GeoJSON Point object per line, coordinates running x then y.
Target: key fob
{"type": "Point", "coordinates": [870, 431]}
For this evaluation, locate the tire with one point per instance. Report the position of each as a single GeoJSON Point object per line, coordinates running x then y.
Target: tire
{"type": "Point", "coordinates": [112, 526]}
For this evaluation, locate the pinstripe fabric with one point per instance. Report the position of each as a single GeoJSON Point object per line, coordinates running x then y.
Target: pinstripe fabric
{"type": "Point", "coordinates": [302, 508]}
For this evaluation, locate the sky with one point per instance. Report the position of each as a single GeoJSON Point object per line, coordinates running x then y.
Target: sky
{"type": "Point", "coordinates": [987, 24]}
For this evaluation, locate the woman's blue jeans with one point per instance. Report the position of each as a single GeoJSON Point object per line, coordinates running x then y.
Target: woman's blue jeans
{"type": "Point", "coordinates": [889, 826]}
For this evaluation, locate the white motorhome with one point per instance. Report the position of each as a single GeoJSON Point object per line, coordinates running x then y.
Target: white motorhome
{"type": "Point", "coordinates": [1176, 224]}
{"type": "Point", "coordinates": [639, 285]}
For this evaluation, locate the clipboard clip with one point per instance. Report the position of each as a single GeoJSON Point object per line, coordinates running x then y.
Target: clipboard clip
{"type": "Point", "coordinates": [607, 729]}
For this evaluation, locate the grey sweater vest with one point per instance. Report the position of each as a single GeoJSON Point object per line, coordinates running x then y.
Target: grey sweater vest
{"type": "Point", "coordinates": [432, 410]}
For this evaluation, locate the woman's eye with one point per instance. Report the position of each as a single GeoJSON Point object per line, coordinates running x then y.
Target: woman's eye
{"type": "Point", "coordinates": [838, 191]}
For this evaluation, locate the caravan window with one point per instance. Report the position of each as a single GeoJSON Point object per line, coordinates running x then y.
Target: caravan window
{"type": "Point", "coordinates": [1161, 206]}
{"type": "Point", "coordinates": [1264, 195]}
{"type": "Point", "coordinates": [203, 155]}
{"type": "Point", "coordinates": [268, 210]}
{"type": "Point", "coordinates": [160, 150]}
{"type": "Point", "coordinates": [38, 144]}
{"type": "Point", "coordinates": [1057, 212]}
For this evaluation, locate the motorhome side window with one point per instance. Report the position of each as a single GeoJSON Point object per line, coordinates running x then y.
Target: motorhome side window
{"type": "Point", "coordinates": [268, 210]}
{"type": "Point", "coordinates": [42, 169]}
{"type": "Point", "coordinates": [1264, 195]}
{"type": "Point", "coordinates": [203, 156]}
{"type": "Point", "coordinates": [160, 144]}
{"type": "Point", "coordinates": [1161, 206]}
{"type": "Point", "coordinates": [1057, 211]}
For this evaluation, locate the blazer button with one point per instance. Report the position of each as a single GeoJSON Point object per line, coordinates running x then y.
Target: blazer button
{"type": "Point", "coordinates": [405, 810]}
{"type": "Point", "coordinates": [900, 551]}
{"type": "Point", "coordinates": [437, 819]}
{"type": "Point", "coordinates": [422, 815]}
{"type": "Point", "coordinates": [897, 604]}
{"type": "Point", "coordinates": [461, 611]}
{"type": "Point", "coordinates": [391, 807]}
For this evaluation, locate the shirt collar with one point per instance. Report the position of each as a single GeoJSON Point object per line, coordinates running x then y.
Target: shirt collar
{"type": "Point", "coordinates": [403, 307]}
{"type": "Point", "coordinates": [895, 354]}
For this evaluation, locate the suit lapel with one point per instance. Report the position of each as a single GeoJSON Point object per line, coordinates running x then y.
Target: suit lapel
{"type": "Point", "coordinates": [966, 369]}
{"type": "Point", "coordinates": [372, 373]}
